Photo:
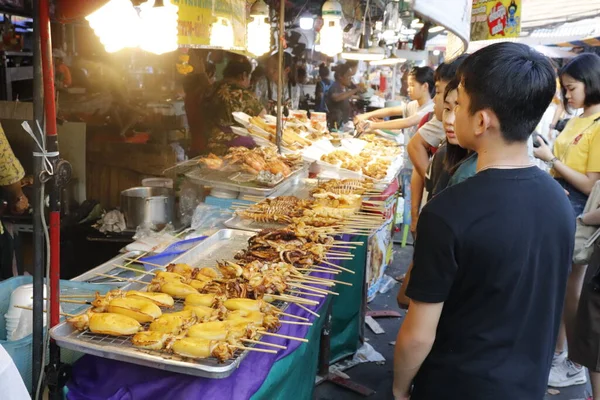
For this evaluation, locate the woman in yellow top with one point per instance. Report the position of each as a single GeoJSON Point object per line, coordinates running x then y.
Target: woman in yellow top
{"type": "Point", "coordinates": [575, 163]}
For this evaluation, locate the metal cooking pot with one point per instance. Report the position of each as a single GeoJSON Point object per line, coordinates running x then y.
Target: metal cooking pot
{"type": "Point", "coordinates": [154, 205]}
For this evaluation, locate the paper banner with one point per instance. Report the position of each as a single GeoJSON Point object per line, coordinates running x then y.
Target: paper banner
{"type": "Point", "coordinates": [196, 17]}
{"type": "Point", "coordinates": [495, 19]}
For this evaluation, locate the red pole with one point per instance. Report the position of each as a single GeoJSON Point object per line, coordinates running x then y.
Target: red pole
{"type": "Point", "coordinates": [52, 146]}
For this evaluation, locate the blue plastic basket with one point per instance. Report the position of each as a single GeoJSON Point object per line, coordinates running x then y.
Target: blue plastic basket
{"type": "Point", "coordinates": [21, 350]}
{"type": "Point", "coordinates": [170, 253]}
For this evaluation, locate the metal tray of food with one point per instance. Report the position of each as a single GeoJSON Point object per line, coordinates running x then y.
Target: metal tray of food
{"type": "Point", "coordinates": [222, 245]}
{"type": "Point", "coordinates": [220, 179]}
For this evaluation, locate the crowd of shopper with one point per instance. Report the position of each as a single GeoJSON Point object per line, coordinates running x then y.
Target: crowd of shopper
{"type": "Point", "coordinates": [503, 293]}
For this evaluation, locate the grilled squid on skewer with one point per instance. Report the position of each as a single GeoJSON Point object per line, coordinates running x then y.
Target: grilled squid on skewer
{"type": "Point", "coordinates": [141, 310]}
{"type": "Point", "coordinates": [202, 348]}
{"type": "Point", "coordinates": [105, 323]}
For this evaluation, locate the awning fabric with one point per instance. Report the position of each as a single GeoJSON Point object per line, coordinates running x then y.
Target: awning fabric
{"type": "Point", "coordinates": [591, 41]}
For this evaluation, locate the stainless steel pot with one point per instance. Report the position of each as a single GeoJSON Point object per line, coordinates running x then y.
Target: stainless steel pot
{"type": "Point", "coordinates": [154, 205]}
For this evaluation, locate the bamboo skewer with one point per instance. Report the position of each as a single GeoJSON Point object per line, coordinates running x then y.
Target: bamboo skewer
{"type": "Point", "coordinates": [338, 266]}
{"type": "Point", "coordinates": [293, 299]}
{"type": "Point", "coordinates": [316, 289]}
{"type": "Point", "coordinates": [291, 315]}
{"type": "Point", "coordinates": [31, 309]}
{"type": "Point", "coordinates": [135, 269]}
{"type": "Point", "coordinates": [283, 336]}
{"type": "Point", "coordinates": [321, 283]}
{"type": "Point", "coordinates": [252, 349]}
{"type": "Point", "coordinates": [120, 279]}
{"type": "Point", "coordinates": [278, 346]}
{"type": "Point", "coordinates": [304, 293]}
{"type": "Point", "coordinates": [342, 242]}
{"type": "Point", "coordinates": [295, 323]}
{"type": "Point", "coordinates": [77, 296]}
{"type": "Point", "coordinates": [308, 310]}
{"type": "Point", "coordinates": [333, 280]}
{"type": "Point", "coordinates": [320, 269]}
{"type": "Point", "coordinates": [149, 263]}
{"type": "Point", "coordinates": [89, 303]}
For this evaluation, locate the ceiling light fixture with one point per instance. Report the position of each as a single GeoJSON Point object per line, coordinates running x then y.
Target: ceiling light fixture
{"type": "Point", "coordinates": [306, 23]}
{"type": "Point", "coordinates": [259, 29]}
{"type": "Point", "coordinates": [331, 34]}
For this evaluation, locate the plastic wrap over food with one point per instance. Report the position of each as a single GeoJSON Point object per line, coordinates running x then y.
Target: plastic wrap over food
{"type": "Point", "coordinates": [208, 217]}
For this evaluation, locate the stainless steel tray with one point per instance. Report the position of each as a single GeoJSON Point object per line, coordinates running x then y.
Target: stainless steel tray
{"type": "Point", "coordinates": [222, 245]}
{"type": "Point", "coordinates": [219, 179]}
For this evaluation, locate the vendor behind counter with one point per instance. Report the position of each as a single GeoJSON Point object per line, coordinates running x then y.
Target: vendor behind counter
{"type": "Point", "coordinates": [211, 112]}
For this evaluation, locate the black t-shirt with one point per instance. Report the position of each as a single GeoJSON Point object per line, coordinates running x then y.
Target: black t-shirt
{"type": "Point", "coordinates": [437, 178]}
{"type": "Point", "coordinates": [496, 249]}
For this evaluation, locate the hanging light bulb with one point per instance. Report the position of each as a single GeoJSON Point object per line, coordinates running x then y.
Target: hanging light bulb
{"type": "Point", "coordinates": [259, 29]}
{"type": "Point", "coordinates": [116, 13]}
{"type": "Point", "coordinates": [331, 34]}
{"type": "Point", "coordinates": [221, 33]}
{"type": "Point", "coordinates": [159, 32]}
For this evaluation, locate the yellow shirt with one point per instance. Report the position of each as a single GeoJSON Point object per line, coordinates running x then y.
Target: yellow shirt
{"type": "Point", "coordinates": [578, 146]}
{"type": "Point", "coordinates": [11, 170]}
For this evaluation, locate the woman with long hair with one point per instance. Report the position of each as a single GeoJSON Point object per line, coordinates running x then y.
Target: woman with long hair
{"type": "Point", "coordinates": [575, 164]}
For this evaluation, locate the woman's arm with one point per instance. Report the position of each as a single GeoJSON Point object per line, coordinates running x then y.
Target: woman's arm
{"type": "Point", "coordinates": [582, 182]}
{"type": "Point", "coordinates": [382, 113]}
{"type": "Point", "coordinates": [396, 123]}
{"type": "Point", "coordinates": [591, 218]}
{"type": "Point", "coordinates": [341, 96]}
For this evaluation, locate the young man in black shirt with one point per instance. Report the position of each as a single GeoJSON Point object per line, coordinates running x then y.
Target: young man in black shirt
{"type": "Point", "coordinates": [490, 265]}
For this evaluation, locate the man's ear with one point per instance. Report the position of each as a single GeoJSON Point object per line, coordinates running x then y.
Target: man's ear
{"type": "Point", "coordinates": [483, 121]}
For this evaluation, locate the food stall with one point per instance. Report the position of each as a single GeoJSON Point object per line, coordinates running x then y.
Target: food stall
{"type": "Point", "coordinates": [331, 183]}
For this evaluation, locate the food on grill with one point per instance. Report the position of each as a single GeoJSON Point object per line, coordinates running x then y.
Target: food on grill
{"type": "Point", "coordinates": [105, 323]}
{"type": "Point", "coordinates": [152, 340]}
{"type": "Point", "coordinates": [202, 348]}
{"type": "Point", "coordinates": [176, 289]}
{"type": "Point", "coordinates": [141, 310]}
{"type": "Point", "coordinates": [173, 323]}
{"type": "Point", "coordinates": [253, 161]}
{"type": "Point", "coordinates": [160, 299]}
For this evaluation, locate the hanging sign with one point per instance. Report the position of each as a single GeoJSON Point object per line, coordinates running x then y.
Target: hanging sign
{"type": "Point", "coordinates": [196, 17]}
{"type": "Point", "coordinates": [455, 15]}
{"type": "Point", "coordinates": [495, 19]}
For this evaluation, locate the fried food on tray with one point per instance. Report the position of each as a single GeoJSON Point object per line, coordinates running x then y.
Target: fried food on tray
{"type": "Point", "coordinates": [253, 161]}
{"type": "Point", "coordinates": [160, 299]}
{"type": "Point", "coordinates": [198, 299]}
{"type": "Point", "coordinates": [211, 161]}
{"type": "Point", "coordinates": [176, 289]}
{"type": "Point", "coordinates": [105, 323]}
{"type": "Point", "coordinates": [290, 137]}
{"type": "Point", "coordinates": [202, 348]}
{"type": "Point", "coordinates": [343, 186]}
{"type": "Point", "coordinates": [141, 310]}
{"type": "Point", "coordinates": [152, 340]}
{"type": "Point", "coordinates": [173, 323]}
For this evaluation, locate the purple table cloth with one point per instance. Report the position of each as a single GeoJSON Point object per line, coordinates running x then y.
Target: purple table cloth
{"type": "Point", "coordinates": [100, 378]}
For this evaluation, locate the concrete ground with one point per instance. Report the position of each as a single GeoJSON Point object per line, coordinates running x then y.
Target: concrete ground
{"type": "Point", "coordinates": [379, 377]}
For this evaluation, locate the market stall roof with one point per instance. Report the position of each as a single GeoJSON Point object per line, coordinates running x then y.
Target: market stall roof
{"type": "Point", "coordinates": [546, 13]}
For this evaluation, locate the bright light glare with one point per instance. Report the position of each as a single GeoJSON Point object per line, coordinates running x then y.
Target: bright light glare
{"type": "Point", "coordinates": [259, 36]}
{"type": "Point", "coordinates": [159, 27]}
{"type": "Point", "coordinates": [116, 13]}
{"type": "Point", "coordinates": [332, 39]}
{"type": "Point", "coordinates": [306, 23]}
{"type": "Point", "coordinates": [436, 29]}
{"type": "Point", "coordinates": [221, 33]}
{"type": "Point", "coordinates": [436, 53]}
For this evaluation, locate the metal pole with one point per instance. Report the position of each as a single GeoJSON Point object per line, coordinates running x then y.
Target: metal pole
{"type": "Point", "coordinates": [38, 230]}
{"type": "Point", "coordinates": [55, 375]}
{"type": "Point", "coordinates": [280, 77]}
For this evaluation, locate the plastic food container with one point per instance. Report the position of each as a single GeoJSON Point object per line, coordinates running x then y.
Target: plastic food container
{"type": "Point", "coordinates": [318, 116]}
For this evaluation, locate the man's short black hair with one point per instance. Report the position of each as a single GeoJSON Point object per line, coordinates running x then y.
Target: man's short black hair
{"type": "Point", "coordinates": [424, 75]}
{"type": "Point", "coordinates": [584, 68]}
{"type": "Point", "coordinates": [447, 71]}
{"type": "Point", "coordinates": [514, 81]}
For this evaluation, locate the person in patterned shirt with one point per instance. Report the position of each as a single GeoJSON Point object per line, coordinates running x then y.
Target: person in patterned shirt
{"type": "Point", "coordinates": [227, 96]}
